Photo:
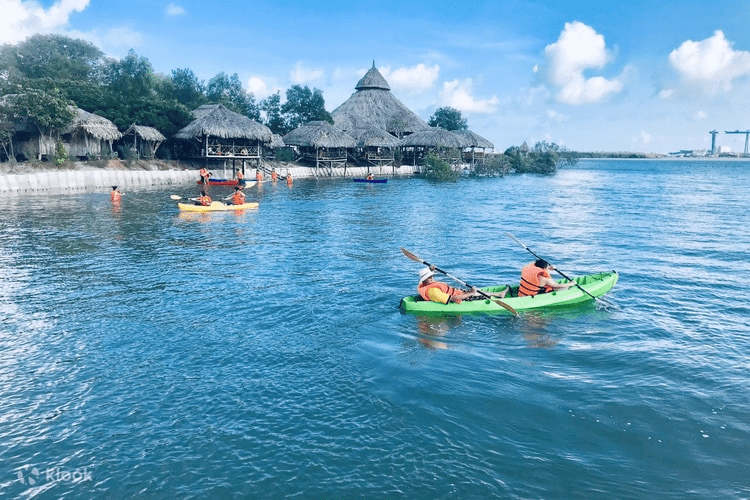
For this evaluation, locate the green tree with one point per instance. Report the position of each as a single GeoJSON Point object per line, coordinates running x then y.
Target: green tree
{"type": "Point", "coordinates": [439, 170]}
{"type": "Point", "coordinates": [304, 105]}
{"type": "Point", "coordinates": [227, 90]}
{"type": "Point", "coordinates": [448, 118]}
{"type": "Point", "coordinates": [57, 57]}
{"type": "Point", "coordinates": [187, 89]}
{"type": "Point", "coordinates": [271, 105]}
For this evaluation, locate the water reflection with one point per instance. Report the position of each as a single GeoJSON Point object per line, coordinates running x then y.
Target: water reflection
{"type": "Point", "coordinates": [430, 329]}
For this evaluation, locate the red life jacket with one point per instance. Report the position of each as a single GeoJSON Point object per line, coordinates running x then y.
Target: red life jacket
{"type": "Point", "coordinates": [422, 289]}
{"type": "Point", "coordinates": [530, 282]}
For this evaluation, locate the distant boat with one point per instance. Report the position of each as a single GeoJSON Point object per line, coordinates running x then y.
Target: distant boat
{"type": "Point", "coordinates": [373, 181]}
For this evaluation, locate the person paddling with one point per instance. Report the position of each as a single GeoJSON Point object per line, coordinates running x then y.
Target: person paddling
{"type": "Point", "coordinates": [436, 291]}
{"type": "Point", "coordinates": [203, 200]}
{"type": "Point", "coordinates": [535, 279]}
{"type": "Point", "coordinates": [238, 198]}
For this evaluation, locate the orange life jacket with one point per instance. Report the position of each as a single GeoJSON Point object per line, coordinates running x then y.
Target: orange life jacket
{"type": "Point", "coordinates": [259, 176]}
{"type": "Point", "coordinates": [530, 282]}
{"type": "Point", "coordinates": [205, 201]}
{"type": "Point", "coordinates": [115, 196]}
{"type": "Point", "coordinates": [422, 289]}
{"type": "Point", "coordinates": [274, 176]}
{"type": "Point", "coordinates": [288, 179]}
{"type": "Point", "coordinates": [238, 198]}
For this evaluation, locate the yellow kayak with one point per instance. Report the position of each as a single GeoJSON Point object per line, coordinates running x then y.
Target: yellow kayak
{"type": "Point", "coordinates": [216, 206]}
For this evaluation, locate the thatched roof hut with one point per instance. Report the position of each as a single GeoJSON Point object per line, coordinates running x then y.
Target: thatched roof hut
{"type": "Point", "coordinates": [445, 144]}
{"type": "Point", "coordinates": [371, 136]}
{"type": "Point", "coordinates": [319, 134]}
{"type": "Point", "coordinates": [215, 120]}
{"type": "Point", "coordinates": [145, 140]}
{"type": "Point", "coordinates": [434, 137]}
{"type": "Point", "coordinates": [373, 105]}
{"type": "Point", "coordinates": [89, 135]}
{"type": "Point", "coordinates": [219, 133]}
{"type": "Point", "coordinates": [321, 144]}
{"type": "Point", "coordinates": [475, 140]}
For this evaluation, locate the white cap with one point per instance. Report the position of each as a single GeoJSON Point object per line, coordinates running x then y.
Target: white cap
{"type": "Point", "coordinates": [425, 273]}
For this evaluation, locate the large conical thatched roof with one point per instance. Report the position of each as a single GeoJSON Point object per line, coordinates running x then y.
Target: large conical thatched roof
{"type": "Point", "coordinates": [433, 138]}
{"type": "Point", "coordinates": [374, 105]}
{"type": "Point", "coordinates": [319, 134]}
{"type": "Point", "coordinates": [214, 120]}
{"type": "Point", "coordinates": [475, 140]}
{"type": "Point", "coordinates": [371, 136]}
{"type": "Point", "coordinates": [145, 133]}
{"type": "Point", "coordinates": [94, 125]}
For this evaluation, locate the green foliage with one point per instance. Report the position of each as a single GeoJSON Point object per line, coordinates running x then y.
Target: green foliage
{"type": "Point", "coordinates": [439, 170]}
{"type": "Point", "coordinates": [304, 105]}
{"type": "Point", "coordinates": [284, 154]}
{"type": "Point", "coordinates": [227, 90]}
{"type": "Point", "coordinates": [55, 56]}
{"type": "Point", "coordinates": [495, 165]}
{"type": "Point", "coordinates": [61, 156]}
{"type": "Point", "coordinates": [448, 118]}
{"type": "Point", "coordinates": [187, 89]}
{"type": "Point", "coordinates": [50, 112]}
{"type": "Point", "coordinates": [544, 158]}
{"type": "Point", "coordinates": [275, 119]}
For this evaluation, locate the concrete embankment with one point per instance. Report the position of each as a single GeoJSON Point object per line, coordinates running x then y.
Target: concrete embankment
{"type": "Point", "coordinates": [103, 179]}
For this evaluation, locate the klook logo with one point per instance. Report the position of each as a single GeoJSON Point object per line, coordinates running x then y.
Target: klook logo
{"type": "Point", "coordinates": [31, 475]}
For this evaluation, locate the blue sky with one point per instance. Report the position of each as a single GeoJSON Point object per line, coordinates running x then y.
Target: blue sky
{"type": "Point", "coordinates": [650, 76]}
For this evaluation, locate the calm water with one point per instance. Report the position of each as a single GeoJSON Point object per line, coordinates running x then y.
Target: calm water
{"type": "Point", "coordinates": [149, 354]}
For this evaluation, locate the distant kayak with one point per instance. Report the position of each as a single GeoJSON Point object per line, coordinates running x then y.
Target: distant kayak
{"type": "Point", "coordinates": [595, 284]}
{"type": "Point", "coordinates": [226, 182]}
{"type": "Point", "coordinates": [373, 181]}
{"type": "Point", "coordinates": [215, 206]}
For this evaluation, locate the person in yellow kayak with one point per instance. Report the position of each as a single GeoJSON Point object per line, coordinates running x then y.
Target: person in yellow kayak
{"type": "Point", "coordinates": [436, 291]}
{"type": "Point", "coordinates": [535, 279]}
{"type": "Point", "coordinates": [238, 198]}
{"type": "Point", "coordinates": [203, 200]}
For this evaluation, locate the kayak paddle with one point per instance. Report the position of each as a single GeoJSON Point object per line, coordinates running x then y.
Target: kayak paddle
{"type": "Point", "coordinates": [556, 269]}
{"type": "Point", "coordinates": [497, 301]}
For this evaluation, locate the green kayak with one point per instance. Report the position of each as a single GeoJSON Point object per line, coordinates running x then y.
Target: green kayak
{"type": "Point", "coordinates": [595, 284]}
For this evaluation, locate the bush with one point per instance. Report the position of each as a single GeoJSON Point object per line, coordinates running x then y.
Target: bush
{"type": "Point", "coordinates": [439, 170]}
{"type": "Point", "coordinates": [494, 165]}
{"type": "Point", "coordinates": [61, 155]}
{"type": "Point", "coordinates": [284, 154]}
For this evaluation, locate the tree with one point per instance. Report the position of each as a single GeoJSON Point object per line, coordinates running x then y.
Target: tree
{"type": "Point", "coordinates": [448, 118]}
{"type": "Point", "coordinates": [304, 105]}
{"type": "Point", "coordinates": [274, 117]}
{"type": "Point", "coordinates": [187, 89]}
{"type": "Point", "coordinates": [544, 158]}
{"type": "Point", "coordinates": [439, 170]}
{"type": "Point", "coordinates": [57, 57]}
{"type": "Point", "coordinates": [227, 90]}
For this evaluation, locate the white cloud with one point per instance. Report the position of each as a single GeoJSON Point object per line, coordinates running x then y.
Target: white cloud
{"type": "Point", "coordinates": [701, 115]}
{"type": "Point", "coordinates": [20, 19]}
{"type": "Point", "coordinates": [711, 62]}
{"type": "Point", "coordinates": [578, 49]}
{"type": "Point", "coordinates": [458, 94]}
{"type": "Point", "coordinates": [555, 116]}
{"type": "Point", "coordinates": [414, 80]}
{"type": "Point", "coordinates": [645, 137]}
{"type": "Point", "coordinates": [175, 10]}
{"type": "Point", "coordinates": [261, 88]}
{"type": "Point", "coordinates": [301, 75]}
{"type": "Point", "coordinates": [666, 93]}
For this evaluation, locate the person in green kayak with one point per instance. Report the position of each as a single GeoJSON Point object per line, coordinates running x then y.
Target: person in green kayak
{"type": "Point", "coordinates": [535, 279]}
{"type": "Point", "coordinates": [436, 291]}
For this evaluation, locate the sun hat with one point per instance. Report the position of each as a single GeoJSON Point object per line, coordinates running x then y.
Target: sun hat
{"type": "Point", "coordinates": [425, 273]}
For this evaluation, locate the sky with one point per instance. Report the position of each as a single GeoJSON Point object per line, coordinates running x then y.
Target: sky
{"type": "Point", "coordinates": [639, 76]}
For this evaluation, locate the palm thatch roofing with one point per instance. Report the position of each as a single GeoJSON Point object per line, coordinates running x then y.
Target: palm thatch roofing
{"type": "Point", "coordinates": [371, 136]}
{"type": "Point", "coordinates": [373, 104]}
{"type": "Point", "coordinates": [319, 134]}
{"type": "Point", "coordinates": [94, 125]}
{"type": "Point", "coordinates": [145, 133]}
{"type": "Point", "coordinates": [276, 142]}
{"type": "Point", "coordinates": [475, 140]}
{"type": "Point", "coordinates": [215, 120]}
{"type": "Point", "coordinates": [435, 137]}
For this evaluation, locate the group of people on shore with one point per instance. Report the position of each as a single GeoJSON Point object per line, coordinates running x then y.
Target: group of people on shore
{"type": "Point", "coordinates": [535, 279]}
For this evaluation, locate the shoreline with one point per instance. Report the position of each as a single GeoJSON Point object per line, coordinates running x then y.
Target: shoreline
{"type": "Point", "coordinates": [87, 176]}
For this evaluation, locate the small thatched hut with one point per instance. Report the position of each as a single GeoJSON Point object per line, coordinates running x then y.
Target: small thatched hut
{"type": "Point", "coordinates": [476, 146]}
{"type": "Point", "coordinates": [89, 135]}
{"type": "Point", "coordinates": [375, 147]}
{"type": "Point", "coordinates": [220, 134]}
{"type": "Point", "coordinates": [373, 105]}
{"type": "Point", "coordinates": [320, 144]}
{"type": "Point", "coordinates": [142, 141]}
{"type": "Point", "coordinates": [446, 145]}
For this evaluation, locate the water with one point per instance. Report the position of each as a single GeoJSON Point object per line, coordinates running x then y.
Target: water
{"type": "Point", "coordinates": [150, 354]}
